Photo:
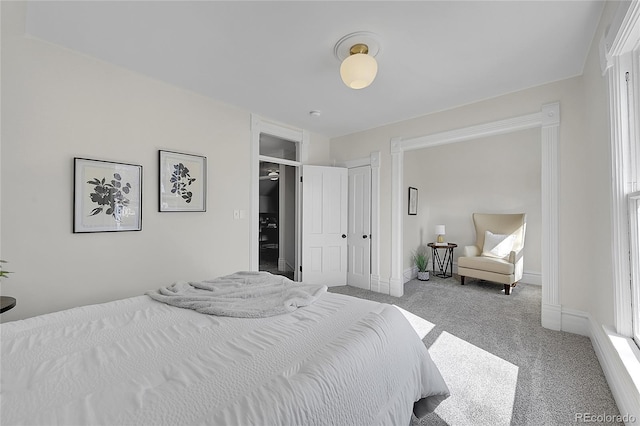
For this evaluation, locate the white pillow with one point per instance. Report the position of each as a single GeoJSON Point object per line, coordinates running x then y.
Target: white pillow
{"type": "Point", "coordinates": [498, 246]}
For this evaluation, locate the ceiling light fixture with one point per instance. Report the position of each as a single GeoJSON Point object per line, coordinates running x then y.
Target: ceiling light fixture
{"type": "Point", "coordinates": [359, 69]}
{"type": "Point", "coordinates": [273, 175]}
{"type": "Point", "coordinates": [357, 52]}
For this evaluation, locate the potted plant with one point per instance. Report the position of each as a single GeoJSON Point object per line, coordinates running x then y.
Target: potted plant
{"type": "Point", "coordinates": [421, 259]}
{"type": "Point", "coordinates": [3, 273]}
{"type": "Point", "coordinates": [6, 302]}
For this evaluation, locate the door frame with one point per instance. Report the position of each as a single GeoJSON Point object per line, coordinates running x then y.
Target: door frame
{"type": "Point", "coordinates": [548, 120]}
{"type": "Point", "coordinates": [373, 161]}
{"type": "Point", "coordinates": [260, 125]}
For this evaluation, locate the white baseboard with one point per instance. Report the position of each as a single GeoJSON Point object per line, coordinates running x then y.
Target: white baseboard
{"type": "Point", "coordinates": [379, 285]}
{"type": "Point", "coordinates": [409, 274]}
{"type": "Point", "coordinates": [576, 322]}
{"type": "Point", "coordinates": [551, 316]}
{"type": "Point", "coordinates": [375, 283]}
{"type": "Point", "coordinates": [529, 277]}
{"type": "Point", "coordinates": [625, 392]}
{"type": "Point", "coordinates": [398, 285]}
{"type": "Point", "coordinates": [283, 265]}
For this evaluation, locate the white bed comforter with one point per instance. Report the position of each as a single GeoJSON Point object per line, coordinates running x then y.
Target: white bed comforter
{"type": "Point", "coordinates": [340, 361]}
{"type": "Point", "coordinates": [246, 294]}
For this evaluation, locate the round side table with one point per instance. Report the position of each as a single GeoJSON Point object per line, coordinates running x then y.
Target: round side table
{"type": "Point", "coordinates": [444, 262]}
{"type": "Point", "coordinates": [6, 303]}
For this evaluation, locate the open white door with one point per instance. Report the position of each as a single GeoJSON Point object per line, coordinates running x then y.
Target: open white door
{"type": "Point", "coordinates": [359, 235]}
{"type": "Point", "coordinates": [324, 225]}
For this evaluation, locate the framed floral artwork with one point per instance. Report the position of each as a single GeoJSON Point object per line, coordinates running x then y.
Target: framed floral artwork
{"type": "Point", "coordinates": [183, 182]}
{"type": "Point", "coordinates": [107, 196]}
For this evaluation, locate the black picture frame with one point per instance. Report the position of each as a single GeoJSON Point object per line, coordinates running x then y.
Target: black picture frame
{"type": "Point", "coordinates": [413, 201]}
{"type": "Point", "coordinates": [107, 196]}
{"type": "Point", "coordinates": [182, 182]}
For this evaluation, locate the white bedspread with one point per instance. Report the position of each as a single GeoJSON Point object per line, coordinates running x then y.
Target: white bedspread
{"type": "Point", "coordinates": [246, 294]}
{"type": "Point", "coordinates": [340, 361]}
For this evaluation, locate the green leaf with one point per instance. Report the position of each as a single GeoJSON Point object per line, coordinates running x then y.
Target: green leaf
{"type": "Point", "coordinates": [4, 273]}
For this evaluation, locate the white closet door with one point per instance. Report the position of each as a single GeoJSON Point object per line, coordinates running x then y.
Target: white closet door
{"type": "Point", "coordinates": [324, 225]}
{"type": "Point", "coordinates": [359, 225]}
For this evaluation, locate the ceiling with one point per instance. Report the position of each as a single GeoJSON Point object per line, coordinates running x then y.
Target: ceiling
{"type": "Point", "coordinates": [276, 59]}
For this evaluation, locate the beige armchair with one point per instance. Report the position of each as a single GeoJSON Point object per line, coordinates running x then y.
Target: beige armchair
{"type": "Point", "coordinates": [497, 255]}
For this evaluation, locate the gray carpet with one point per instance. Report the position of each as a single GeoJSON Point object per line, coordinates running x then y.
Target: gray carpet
{"type": "Point", "coordinates": [501, 366]}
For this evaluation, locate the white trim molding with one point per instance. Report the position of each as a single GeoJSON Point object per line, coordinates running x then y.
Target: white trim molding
{"type": "Point", "coordinates": [396, 282]}
{"type": "Point", "coordinates": [529, 277]}
{"type": "Point", "coordinates": [374, 161]}
{"type": "Point", "coordinates": [550, 137]}
{"type": "Point", "coordinates": [473, 132]}
{"type": "Point", "coordinates": [548, 119]}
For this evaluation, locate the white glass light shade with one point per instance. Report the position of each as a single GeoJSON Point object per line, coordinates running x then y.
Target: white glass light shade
{"type": "Point", "coordinates": [440, 230]}
{"type": "Point", "coordinates": [358, 70]}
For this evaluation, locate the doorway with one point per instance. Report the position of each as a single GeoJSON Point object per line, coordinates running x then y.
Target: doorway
{"type": "Point", "coordinates": [276, 153]}
{"type": "Point", "coordinates": [277, 219]}
{"type": "Point", "coordinates": [274, 143]}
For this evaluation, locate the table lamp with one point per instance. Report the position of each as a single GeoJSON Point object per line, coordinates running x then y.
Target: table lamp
{"type": "Point", "coordinates": [440, 232]}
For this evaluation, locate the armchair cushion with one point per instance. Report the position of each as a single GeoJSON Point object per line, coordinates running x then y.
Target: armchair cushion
{"type": "Point", "coordinates": [470, 251]}
{"type": "Point", "coordinates": [497, 245]}
{"type": "Point", "coordinates": [488, 264]}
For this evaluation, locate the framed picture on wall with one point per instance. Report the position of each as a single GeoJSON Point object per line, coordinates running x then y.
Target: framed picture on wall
{"type": "Point", "coordinates": [107, 196]}
{"type": "Point", "coordinates": [183, 182]}
{"type": "Point", "coordinates": [413, 201]}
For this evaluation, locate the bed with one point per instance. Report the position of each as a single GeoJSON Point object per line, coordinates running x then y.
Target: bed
{"type": "Point", "coordinates": [340, 361]}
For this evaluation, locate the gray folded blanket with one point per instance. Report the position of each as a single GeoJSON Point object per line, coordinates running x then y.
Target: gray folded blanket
{"type": "Point", "coordinates": [243, 294]}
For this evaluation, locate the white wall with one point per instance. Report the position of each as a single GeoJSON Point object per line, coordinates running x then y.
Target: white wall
{"type": "Point", "coordinates": [575, 239]}
{"type": "Point", "coordinates": [596, 189]}
{"type": "Point", "coordinates": [58, 104]}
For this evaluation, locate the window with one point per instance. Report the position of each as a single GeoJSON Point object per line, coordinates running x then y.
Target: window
{"type": "Point", "coordinates": [631, 174]}
{"type": "Point", "coordinates": [273, 146]}
{"type": "Point", "coordinates": [621, 63]}
{"type": "Point", "coordinates": [634, 240]}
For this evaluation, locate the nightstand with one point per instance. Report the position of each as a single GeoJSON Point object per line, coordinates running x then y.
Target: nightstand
{"type": "Point", "coordinates": [6, 303]}
{"type": "Point", "coordinates": [444, 263]}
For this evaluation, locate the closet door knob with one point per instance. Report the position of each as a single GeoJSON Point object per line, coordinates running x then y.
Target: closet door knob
{"type": "Point", "coordinates": [344, 236]}
{"type": "Point", "coordinates": [364, 236]}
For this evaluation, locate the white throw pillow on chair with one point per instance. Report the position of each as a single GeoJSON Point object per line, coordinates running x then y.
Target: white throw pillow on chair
{"type": "Point", "coordinates": [497, 245]}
